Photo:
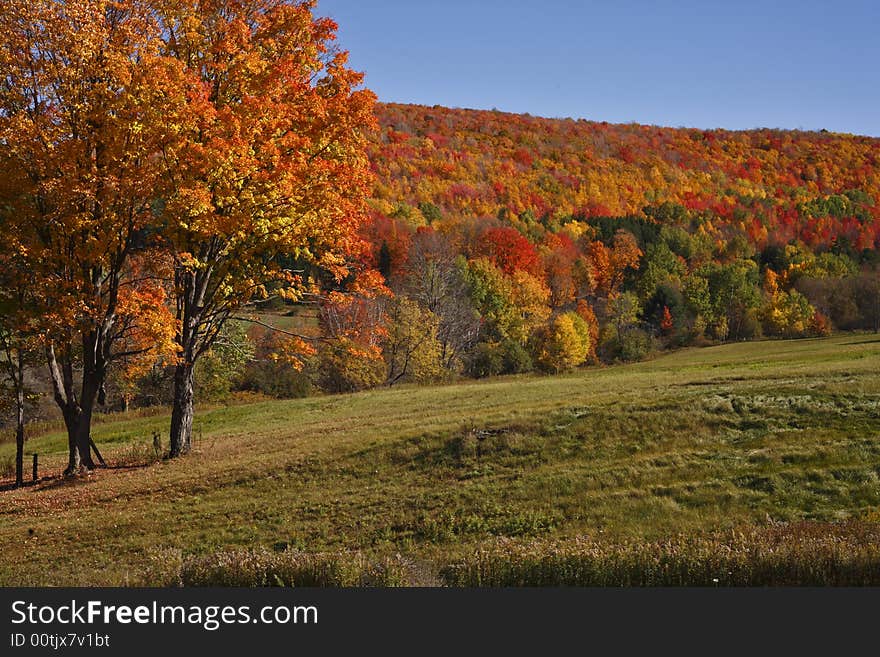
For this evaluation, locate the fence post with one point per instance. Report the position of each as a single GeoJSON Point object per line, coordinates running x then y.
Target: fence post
{"type": "Point", "coordinates": [35, 466]}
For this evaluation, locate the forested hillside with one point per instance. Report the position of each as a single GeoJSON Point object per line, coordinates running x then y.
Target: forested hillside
{"type": "Point", "coordinates": [512, 242]}
{"type": "Point", "coordinates": [769, 186]}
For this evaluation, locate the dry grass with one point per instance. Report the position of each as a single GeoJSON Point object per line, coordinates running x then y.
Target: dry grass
{"type": "Point", "coordinates": [802, 554]}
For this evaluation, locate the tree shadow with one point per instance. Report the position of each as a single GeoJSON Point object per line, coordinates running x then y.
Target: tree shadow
{"type": "Point", "coordinates": [868, 341]}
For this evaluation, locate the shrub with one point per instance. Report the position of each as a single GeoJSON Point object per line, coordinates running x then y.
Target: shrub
{"type": "Point", "coordinates": [345, 366]}
{"type": "Point", "coordinates": [515, 358]}
{"type": "Point", "coordinates": [276, 379]}
{"type": "Point", "coordinates": [486, 360]}
{"type": "Point", "coordinates": [635, 344]}
{"type": "Point", "coordinates": [820, 325]}
{"type": "Point", "coordinates": [631, 344]}
{"type": "Point", "coordinates": [493, 358]}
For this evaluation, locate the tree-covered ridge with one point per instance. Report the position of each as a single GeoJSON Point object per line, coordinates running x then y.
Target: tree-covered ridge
{"type": "Point", "coordinates": [770, 186]}
{"type": "Point", "coordinates": [540, 243]}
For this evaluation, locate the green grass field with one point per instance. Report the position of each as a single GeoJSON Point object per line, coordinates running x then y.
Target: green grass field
{"type": "Point", "coordinates": [691, 444]}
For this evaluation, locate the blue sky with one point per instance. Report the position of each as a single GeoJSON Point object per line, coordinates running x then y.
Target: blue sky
{"type": "Point", "coordinates": [737, 64]}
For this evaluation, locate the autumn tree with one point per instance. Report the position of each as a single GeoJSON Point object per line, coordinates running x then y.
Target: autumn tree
{"type": "Point", "coordinates": [563, 343]}
{"type": "Point", "coordinates": [82, 106]}
{"type": "Point", "coordinates": [666, 311]}
{"type": "Point", "coordinates": [145, 327]}
{"type": "Point", "coordinates": [437, 279]}
{"type": "Point", "coordinates": [350, 356]}
{"type": "Point", "coordinates": [835, 298]}
{"type": "Point", "coordinates": [610, 264]}
{"type": "Point", "coordinates": [661, 265]}
{"type": "Point", "coordinates": [389, 241]}
{"type": "Point", "coordinates": [734, 297]}
{"type": "Point", "coordinates": [509, 250]}
{"type": "Point", "coordinates": [623, 313]}
{"type": "Point", "coordinates": [789, 314]}
{"type": "Point", "coordinates": [512, 306]}
{"type": "Point", "coordinates": [411, 348]}
{"type": "Point", "coordinates": [268, 161]}
{"type": "Point", "coordinates": [560, 255]}
{"type": "Point", "coordinates": [586, 313]}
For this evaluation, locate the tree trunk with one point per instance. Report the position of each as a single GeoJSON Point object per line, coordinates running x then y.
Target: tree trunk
{"type": "Point", "coordinates": [71, 423]}
{"type": "Point", "coordinates": [182, 410]}
{"type": "Point", "coordinates": [19, 438]}
{"type": "Point", "coordinates": [61, 376]}
{"type": "Point", "coordinates": [84, 425]}
{"type": "Point", "coordinates": [190, 309]}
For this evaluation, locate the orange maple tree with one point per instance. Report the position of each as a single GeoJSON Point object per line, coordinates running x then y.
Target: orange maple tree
{"type": "Point", "coordinates": [610, 264]}
{"type": "Point", "coordinates": [81, 121]}
{"type": "Point", "coordinates": [268, 163]}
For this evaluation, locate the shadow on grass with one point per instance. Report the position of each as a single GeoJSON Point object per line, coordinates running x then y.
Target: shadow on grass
{"type": "Point", "coordinates": [874, 340]}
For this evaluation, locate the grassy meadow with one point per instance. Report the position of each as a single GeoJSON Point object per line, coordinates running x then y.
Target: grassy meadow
{"type": "Point", "coordinates": [742, 459]}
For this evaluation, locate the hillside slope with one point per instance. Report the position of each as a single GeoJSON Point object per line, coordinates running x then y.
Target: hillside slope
{"type": "Point", "coordinates": [773, 185]}
{"type": "Point", "coordinates": [697, 441]}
